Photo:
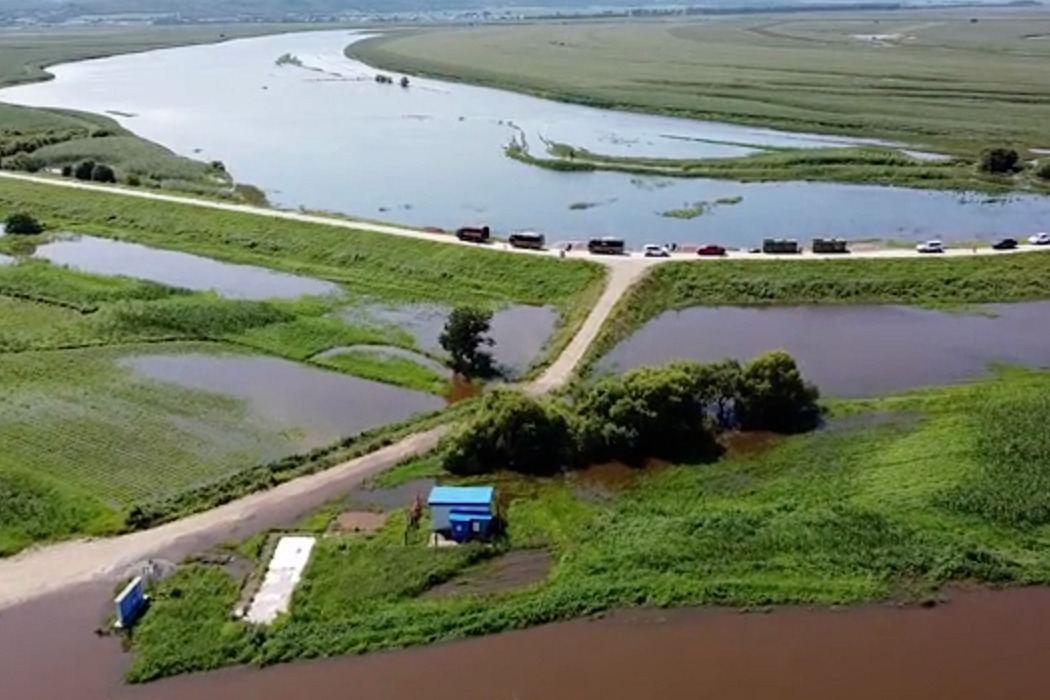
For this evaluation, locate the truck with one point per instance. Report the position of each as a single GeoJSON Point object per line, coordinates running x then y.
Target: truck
{"type": "Point", "coordinates": [534, 241]}
{"type": "Point", "coordinates": [830, 245]}
{"type": "Point", "coordinates": [473, 234]}
{"type": "Point", "coordinates": [606, 246]}
{"type": "Point", "coordinates": [781, 246]}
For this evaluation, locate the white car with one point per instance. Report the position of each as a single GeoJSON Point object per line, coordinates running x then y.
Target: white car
{"type": "Point", "coordinates": [656, 251]}
{"type": "Point", "coordinates": [930, 247]}
{"type": "Point", "coordinates": [1040, 239]}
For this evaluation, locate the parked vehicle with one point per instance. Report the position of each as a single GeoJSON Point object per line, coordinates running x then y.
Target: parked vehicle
{"type": "Point", "coordinates": [933, 246]}
{"type": "Point", "coordinates": [780, 246]}
{"type": "Point", "coordinates": [535, 241]}
{"type": "Point", "coordinates": [473, 234]}
{"type": "Point", "coordinates": [1005, 244]}
{"type": "Point", "coordinates": [606, 246]}
{"type": "Point", "coordinates": [830, 245]}
{"type": "Point", "coordinates": [1040, 239]}
{"type": "Point", "coordinates": [653, 250]}
{"type": "Point", "coordinates": [711, 250]}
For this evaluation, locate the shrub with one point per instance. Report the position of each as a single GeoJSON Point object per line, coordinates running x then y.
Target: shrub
{"type": "Point", "coordinates": [998, 160]}
{"type": "Point", "coordinates": [24, 162]}
{"type": "Point", "coordinates": [67, 171]}
{"type": "Point", "coordinates": [84, 169]}
{"type": "Point", "coordinates": [133, 180]}
{"type": "Point", "coordinates": [23, 223]}
{"type": "Point", "coordinates": [103, 173]}
{"type": "Point", "coordinates": [1042, 170]}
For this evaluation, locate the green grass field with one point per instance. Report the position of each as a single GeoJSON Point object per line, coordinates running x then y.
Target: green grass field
{"type": "Point", "coordinates": [944, 282]}
{"type": "Point", "coordinates": [935, 79]}
{"type": "Point", "coordinates": [895, 498]}
{"type": "Point", "coordinates": [79, 429]}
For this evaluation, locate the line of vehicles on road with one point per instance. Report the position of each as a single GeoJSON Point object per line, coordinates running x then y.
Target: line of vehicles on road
{"type": "Point", "coordinates": [607, 245]}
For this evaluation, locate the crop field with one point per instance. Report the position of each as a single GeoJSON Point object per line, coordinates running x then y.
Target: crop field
{"type": "Point", "coordinates": [945, 283]}
{"type": "Point", "coordinates": [894, 498]}
{"type": "Point", "coordinates": [953, 81]}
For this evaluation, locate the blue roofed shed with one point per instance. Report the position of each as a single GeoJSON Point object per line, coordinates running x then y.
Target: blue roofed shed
{"type": "Point", "coordinates": [462, 510]}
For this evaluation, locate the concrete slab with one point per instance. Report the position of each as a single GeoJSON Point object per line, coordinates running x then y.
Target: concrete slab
{"type": "Point", "coordinates": [283, 574]}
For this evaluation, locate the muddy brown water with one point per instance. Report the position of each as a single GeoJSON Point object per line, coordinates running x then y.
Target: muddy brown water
{"type": "Point", "coordinates": [850, 350]}
{"type": "Point", "coordinates": [981, 645]}
{"type": "Point", "coordinates": [312, 406]}
{"type": "Point", "coordinates": [233, 281]}
{"type": "Point", "coordinates": [520, 332]}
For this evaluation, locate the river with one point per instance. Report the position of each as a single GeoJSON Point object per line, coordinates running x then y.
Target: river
{"type": "Point", "coordinates": [326, 136]}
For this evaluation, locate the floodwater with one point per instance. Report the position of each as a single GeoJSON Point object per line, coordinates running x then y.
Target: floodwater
{"type": "Point", "coordinates": [980, 645]}
{"type": "Point", "coordinates": [432, 154]}
{"type": "Point", "coordinates": [520, 331]}
{"type": "Point", "coordinates": [109, 257]}
{"type": "Point", "coordinates": [385, 351]}
{"type": "Point", "coordinates": [312, 406]}
{"type": "Point", "coordinates": [850, 350]}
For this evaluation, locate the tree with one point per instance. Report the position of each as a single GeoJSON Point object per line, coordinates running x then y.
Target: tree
{"type": "Point", "coordinates": [103, 173]}
{"type": "Point", "coordinates": [84, 169]}
{"type": "Point", "coordinates": [22, 223]}
{"type": "Point", "coordinates": [465, 333]}
{"type": "Point", "coordinates": [998, 160]}
{"type": "Point", "coordinates": [512, 431]}
{"type": "Point", "coordinates": [67, 171]}
{"type": "Point", "coordinates": [1042, 171]}
{"type": "Point", "coordinates": [773, 395]}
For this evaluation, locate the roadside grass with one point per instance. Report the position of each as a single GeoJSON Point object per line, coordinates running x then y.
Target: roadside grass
{"type": "Point", "coordinates": [878, 505]}
{"type": "Point", "coordinates": [392, 370]}
{"type": "Point", "coordinates": [947, 84]}
{"type": "Point", "coordinates": [943, 282]}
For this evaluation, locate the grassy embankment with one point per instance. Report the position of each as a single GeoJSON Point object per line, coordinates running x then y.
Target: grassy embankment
{"type": "Point", "coordinates": [32, 138]}
{"type": "Point", "coordinates": [79, 428]}
{"type": "Point", "coordinates": [894, 499]}
{"type": "Point", "coordinates": [943, 84]}
{"type": "Point", "coordinates": [941, 282]}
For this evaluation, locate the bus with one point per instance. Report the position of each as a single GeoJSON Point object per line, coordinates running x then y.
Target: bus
{"type": "Point", "coordinates": [535, 241]}
{"type": "Point", "coordinates": [781, 246]}
{"type": "Point", "coordinates": [474, 235]}
{"type": "Point", "coordinates": [606, 246]}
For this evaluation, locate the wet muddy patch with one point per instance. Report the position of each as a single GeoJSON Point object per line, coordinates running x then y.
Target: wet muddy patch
{"type": "Point", "coordinates": [309, 406]}
{"type": "Point", "coordinates": [850, 351]}
{"type": "Point", "coordinates": [380, 500]}
{"type": "Point", "coordinates": [520, 332]}
{"type": "Point", "coordinates": [601, 482]}
{"type": "Point", "coordinates": [511, 571]}
{"type": "Point", "coordinates": [183, 270]}
{"type": "Point", "coordinates": [358, 522]}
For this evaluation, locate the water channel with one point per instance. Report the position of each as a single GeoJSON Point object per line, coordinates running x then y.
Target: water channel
{"type": "Point", "coordinates": [850, 350]}
{"type": "Point", "coordinates": [432, 154]}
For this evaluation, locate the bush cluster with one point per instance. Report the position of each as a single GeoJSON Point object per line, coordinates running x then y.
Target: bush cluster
{"type": "Point", "coordinates": [673, 412]}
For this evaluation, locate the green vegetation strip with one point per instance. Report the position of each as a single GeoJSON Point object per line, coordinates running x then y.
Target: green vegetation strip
{"type": "Point", "coordinates": [894, 499]}
{"type": "Point", "coordinates": [942, 282]}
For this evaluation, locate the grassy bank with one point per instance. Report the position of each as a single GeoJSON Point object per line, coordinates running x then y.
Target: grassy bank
{"type": "Point", "coordinates": [895, 498]}
{"type": "Point", "coordinates": [876, 166]}
{"type": "Point", "coordinates": [44, 139]}
{"type": "Point", "coordinates": [942, 282]}
{"type": "Point", "coordinates": [934, 78]}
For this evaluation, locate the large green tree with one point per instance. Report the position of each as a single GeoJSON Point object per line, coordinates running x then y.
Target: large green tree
{"type": "Point", "coordinates": [774, 396]}
{"type": "Point", "coordinates": [465, 338]}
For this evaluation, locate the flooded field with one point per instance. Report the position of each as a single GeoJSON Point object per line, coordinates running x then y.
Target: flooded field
{"type": "Point", "coordinates": [520, 332]}
{"type": "Point", "coordinates": [981, 645]}
{"type": "Point", "coordinates": [850, 350]}
{"type": "Point", "coordinates": [386, 351]}
{"type": "Point", "coordinates": [219, 102]}
{"type": "Point", "coordinates": [311, 407]}
{"type": "Point", "coordinates": [109, 257]}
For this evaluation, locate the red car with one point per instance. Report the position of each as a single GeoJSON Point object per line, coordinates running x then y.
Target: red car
{"type": "Point", "coordinates": [711, 249]}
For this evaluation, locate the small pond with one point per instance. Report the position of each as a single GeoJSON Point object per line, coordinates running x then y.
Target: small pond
{"type": "Point", "coordinates": [109, 257]}
{"type": "Point", "coordinates": [313, 406]}
{"type": "Point", "coordinates": [520, 332]}
{"type": "Point", "coordinates": [850, 350]}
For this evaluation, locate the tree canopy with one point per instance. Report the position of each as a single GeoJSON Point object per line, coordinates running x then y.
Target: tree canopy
{"type": "Point", "coordinates": [464, 337]}
{"type": "Point", "coordinates": [998, 160]}
{"type": "Point", "coordinates": [22, 223]}
{"type": "Point", "coordinates": [673, 412]}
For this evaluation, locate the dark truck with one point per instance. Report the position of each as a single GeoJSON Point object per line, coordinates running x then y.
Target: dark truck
{"type": "Point", "coordinates": [606, 246]}
{"type": "Point", "coordinates": [830, 245]}
{"type": "Point", "coordinates": [781, 246]}
{"type": "Point", "coordinates": [473, 234]}
{"type": "Point", "coordinates": [535, 241]}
